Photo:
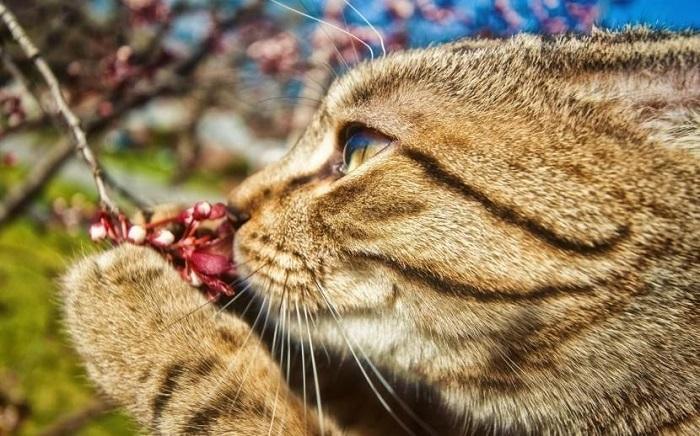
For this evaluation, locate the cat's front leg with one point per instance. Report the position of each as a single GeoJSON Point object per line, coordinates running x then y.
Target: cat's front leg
{"type": "Point", "coordinates": [157, 348]}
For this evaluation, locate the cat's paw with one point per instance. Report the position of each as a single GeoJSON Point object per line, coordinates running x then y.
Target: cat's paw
{"type": "Point", "coordinates": [117, 302]}
{"type": "Point", "coordinates": [155, 346]}
{"type": "Point", "coordinates": [126, 279]}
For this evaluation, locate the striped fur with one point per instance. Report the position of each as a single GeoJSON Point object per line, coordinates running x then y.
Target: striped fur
{"type": "Point", "coordinates": [525, 259]}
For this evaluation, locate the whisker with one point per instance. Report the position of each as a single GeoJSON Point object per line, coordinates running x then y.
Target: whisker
{"type": "Point", "coordinates": [248, 366]}
{"type": "Point", "coordinates": [354, 49]}
{"type": "Point", "coordinates": [318, 87]}
{"type": "Point", "coordinates": [387, 386]}
{"type": "Point", "coordinates": [315, 372]}
{"type": "Point", "coordinates": [330, 38]}
{"type": "Point", "coordinates": [303, 361]}
{"type": "Point", "coordinates": [289, 342]}
{"type": "Point", "coordinates": [278, 321]}
{"type": "Point", "coordinates": [289, 351]}
{"type": "Point", "coordinates": [242, 96]}
{"type": "Point", "coordinates": [376, 392]}
{"type": "Point", "coordinates": [191, 312]}
{"type": "Point", "coordinates": [331, 71]}
{"type": "Point", "coordinates": [274, 338]}
{"type": "Point", "coordinates": [239, 293]}
{"type": "Point", "coordinates": [201, 306]}
{"type": "Point", "coordinates": [247, 287]}
{"type": "Point", "coordinates": [238, 353]}
{"type": "Point", "coordinates": [274, 407]}
{"type": "Point", "coordinates": [312, 100]}
{"type": "Point", "coordinates": [267, 317]}
{"type": "Point", "coordinates": [323, 345]}
{"type": "Point", "coordinates": [374, 29]}
{"type": "Point", "coordinates": [245, 310]}
{"type": "Point", "coordinates": [241, 280]}
{"type": "Point", "coordinates": [274, 335]}
{"type": "Point", "coordinates": [231, 301]}
{"type": "Point", "coordinates": [323, 22]}
{"type": "Point", "coordinates": [282, 320]}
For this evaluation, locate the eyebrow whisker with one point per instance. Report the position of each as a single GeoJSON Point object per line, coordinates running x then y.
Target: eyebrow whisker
{"type": "Point", "coordinates": [326, 23]}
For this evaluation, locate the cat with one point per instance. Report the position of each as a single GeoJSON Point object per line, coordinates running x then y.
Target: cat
{"type": "Point", "coordinates": [481, 237]}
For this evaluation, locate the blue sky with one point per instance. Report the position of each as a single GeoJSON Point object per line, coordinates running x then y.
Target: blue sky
{"type": "Point", "coordinates": [676, 14]}
{"type": "Point", "coordinates": [672, 14]}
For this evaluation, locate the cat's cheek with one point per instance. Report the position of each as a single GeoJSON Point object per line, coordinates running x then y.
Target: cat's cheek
{"type": "Point", "coordinates": [351, 286]}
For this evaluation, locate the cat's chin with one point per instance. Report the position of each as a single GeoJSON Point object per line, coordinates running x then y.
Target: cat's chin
{"type": "Point", "coordinates": [370, 332]}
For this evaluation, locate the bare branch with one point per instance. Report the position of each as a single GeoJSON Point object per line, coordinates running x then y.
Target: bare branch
{"type": "Point", "coordinates": [20, 194]}
{"type": "Point", "coordinates": [173, 82]}
{"type": "Point", "coordinates": [79, 138]}
{"type": "Point", "coordinates": [48, 165]}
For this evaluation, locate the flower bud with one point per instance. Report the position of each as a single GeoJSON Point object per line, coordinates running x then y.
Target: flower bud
{"type": "Point", "coordinates": [187, 216]}
{"type": "Point", "coordinates": [164, 237]}
{"type": "Point", "coordinates": [97, 231]}
{"type": "Point", "coordinates": [137, 234]}
{"type": "Point", "coordinates": [218, 210]}
{"type": "Point", "coordinates": [195, 280]}
{"type": "Point", "coordinates": [202, 210]}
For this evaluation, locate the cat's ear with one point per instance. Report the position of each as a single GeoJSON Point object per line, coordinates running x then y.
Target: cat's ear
{"type": "Point", "coordinates": [653, 77]}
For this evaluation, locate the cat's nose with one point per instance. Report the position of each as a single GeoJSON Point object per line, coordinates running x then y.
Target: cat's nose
{"type": "Point", "coordinates": [236, 216]}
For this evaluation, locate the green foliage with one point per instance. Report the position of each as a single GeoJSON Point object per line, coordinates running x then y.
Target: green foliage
{"type": "Point", "coordinates": [9, 176]}
{"type": "Point", "coordinates": [33, 346]}
{"type": "Point", "coordinates": [157, 164]}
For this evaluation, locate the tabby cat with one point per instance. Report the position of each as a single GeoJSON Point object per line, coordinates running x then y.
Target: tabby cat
{"type": "Point", "coordinates": [483, 237]}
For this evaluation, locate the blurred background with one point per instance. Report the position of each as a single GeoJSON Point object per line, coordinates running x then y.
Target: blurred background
{"type": "Point", "coordinates": [181, 99]}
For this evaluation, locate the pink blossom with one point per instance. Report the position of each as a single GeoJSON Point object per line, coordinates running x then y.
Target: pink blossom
{"type": "Point", "coordinates": [203, 256]}
{"type": "Point", "coordinates": [164, 237]}
{"type": "Point", "coordinates": [137, 234]}
{"type": "Point", "coordinates": [97, 231]}
{"type": "Point", "coordinates": [202, 210]}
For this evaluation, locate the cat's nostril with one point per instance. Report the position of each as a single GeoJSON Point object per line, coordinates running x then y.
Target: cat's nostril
{"type": "Point", "coordinates": [236, 216]}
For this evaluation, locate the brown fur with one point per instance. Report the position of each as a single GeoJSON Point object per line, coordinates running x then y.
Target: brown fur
{"type": "Point", "coordinates": [524, 259]}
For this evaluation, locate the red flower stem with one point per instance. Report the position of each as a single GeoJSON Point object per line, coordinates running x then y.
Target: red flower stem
{"type": "Point", "coordinates": [122, 220]}
{"type": "Point", "coordinates": [202, 240]}
{"type": "Point", "coordinates": [109, 228]}
{"type": "Point", "coordinates": [160, 223]}
{"type": "Point", "coordinates": [191, 229]}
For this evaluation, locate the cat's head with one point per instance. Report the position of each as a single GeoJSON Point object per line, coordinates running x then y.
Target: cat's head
{"type": "Point", "coordinates": [461, 201]}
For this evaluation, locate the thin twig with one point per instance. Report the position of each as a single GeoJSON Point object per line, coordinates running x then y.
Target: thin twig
{"type": "Point", "coordinates": [50, 165]}
{"type": "Point", "coordinates": [174, 82]}
{"type": "Point", "coordinates": [25, 126]}
{"type": "Point", "coordinates": [79, 138]}
{"type": "Point", "coordinates": [20, 194]}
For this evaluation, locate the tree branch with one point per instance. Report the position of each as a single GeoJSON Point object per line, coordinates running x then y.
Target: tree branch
{"type": "Point", "coordinates": [29, 189]}
{"type": "Point", "coordinates": [79, 137]}
{"type": "Point", "coordinates": [20, 195]}
{"type": "Point", "coordinates": [173, 82]}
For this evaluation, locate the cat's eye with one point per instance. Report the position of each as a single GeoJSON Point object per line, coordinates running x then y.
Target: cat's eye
{"type": "Point", "coordinates": [361, 144]}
